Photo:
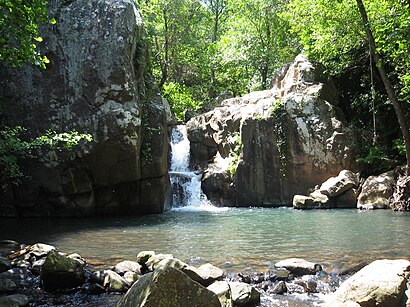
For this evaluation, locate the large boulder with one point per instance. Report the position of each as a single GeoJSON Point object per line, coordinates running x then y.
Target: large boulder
{"type": "Point", "coordinates": [97, 82]}
{"type": "Point", "coordinates": [335, 192]}
{"type": "Point", "coordinates": [381, 283]}
{"type": "Point", "coordinates": [168, 287]}
{"type": "Point", "coordinates": [376, 191]}
{"type": "Point", "coordinates": [60, 273]}
{"type": "Point", "coordinates": [275, 143]}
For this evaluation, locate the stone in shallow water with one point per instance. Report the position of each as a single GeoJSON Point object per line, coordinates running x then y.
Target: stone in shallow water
{"type": "Point", "coordinates": [223, 291]}
{"type": "Point", "coordinates": [59, 272]}
{"type": "Point", "coordinates": [113, 282]}
{"type": "Point", "coordinates": [280, 288]}
{"type": "Point", "coordinates": [7, 285]}
{"type": "Point", "coordinates": [125, 266]}
{"type": "Point", "coordinates": [14, 300]}
{"type": "Point", "coordinates": [168, 287]}
{"type": "Point", "coordinates": [5, 264]}
{"type": "Point", "coordinates": [299, 266]}
{"type": "Point", "coordinates": [210, 273]}
{"type": "Point", "coordinates": [244, 294]}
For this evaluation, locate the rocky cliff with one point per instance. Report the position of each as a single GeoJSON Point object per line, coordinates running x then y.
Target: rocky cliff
{"type": "Point", "coordinates": [97, 82]}
{"type": "Point", "coordinates": [265, 147]}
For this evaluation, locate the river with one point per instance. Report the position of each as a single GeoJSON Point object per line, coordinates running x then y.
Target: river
{"type": "Point", "coordinates": [236, 239]}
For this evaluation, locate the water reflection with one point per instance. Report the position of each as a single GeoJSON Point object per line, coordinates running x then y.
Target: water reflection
{"type": "Point", "coordinates": [238, 239]}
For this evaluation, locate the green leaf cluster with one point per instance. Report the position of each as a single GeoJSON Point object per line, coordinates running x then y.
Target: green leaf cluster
{"type": "Point", "coordinates": [19, 37]}
{"type": "Point", "coordinates": [180, 100]}
{"type": "Point", "coordinates": [14, 148]}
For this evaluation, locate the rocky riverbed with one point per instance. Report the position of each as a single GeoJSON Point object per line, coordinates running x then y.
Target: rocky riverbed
{"type": "Point", "coordinates": [41, 275]}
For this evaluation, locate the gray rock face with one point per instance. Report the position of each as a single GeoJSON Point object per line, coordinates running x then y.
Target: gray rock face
{"type": "Point", "coordinates": [376, 191]}
{"type": "Point", "coordinates": [269, 146]}
{"type": "Point", "coordinates": [168, 287]}
{"type": "Point", "coordinates": [381, 283]}
{"type": "Point", "coordinates": [97, 83]}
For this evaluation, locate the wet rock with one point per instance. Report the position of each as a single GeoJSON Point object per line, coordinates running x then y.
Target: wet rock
{"type": "Point", "coordinates": [352, 269]}
{"type": "Point", "coordinates": [168, 287]}
{"type": "Point", "coordinates": [41, 249]}
{"type": "Point", "coordinates": [282, 274]}
{"type": "Point", "coordinates": [98, 277]}
{"type": "Point", "coordinates": [245, 278]}
{"type": "Point", "coordinates": [14, 300]}
{"type": "Point", "coordinates": [299, 266]}
{"type": "Point", "coordinates": [127, 266]}
{"type": "Point", "coordinates": [5, 264]}
{"type": "Point", "coordinates": [155, 259]}
{"type": "Point", "coordinates": [313, 201]}
{"type": "Point", "coordinates": [381, 283]}
{"type": "Point", "coordinates": [21, 264]}
{"type": "Point", "coordinates": [94, 289]}
{"type": "Point", "coordinates": [311, 286]}
{"type": "Point", "coordinates": [78, 258]}
{"type": "Point", "coordinates": [191, 271]}
{"type": "Point", "coordinates": [113, 282]}
{"type": "Point", "coordinates": [7, 285]}
{"type": "Point", "coordinates": [280, 288]}
{"type": "Point", "coordinates": [59, 272]}
{"type": "Point", "coordinates": [131, 277]}
{"type": "Point", "coordinates": [244, 294]}
{"type": "Point", "coordinates": [21, 277]}
{"type": "Point", "coordinates": [376, 191]}
{"type": "Point", "coordinates": [223, 291]}
{"type": "Point", "coordinates": [210, 273]}
{"type": "Point", "coordinates": [144, 256]}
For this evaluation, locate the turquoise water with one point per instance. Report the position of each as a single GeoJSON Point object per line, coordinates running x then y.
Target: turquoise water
{"type": "Point", "coordinates": [236, 239]}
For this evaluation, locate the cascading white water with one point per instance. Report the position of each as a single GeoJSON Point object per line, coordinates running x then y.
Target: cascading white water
{"type": "Point", "coordinates": [186, 184]}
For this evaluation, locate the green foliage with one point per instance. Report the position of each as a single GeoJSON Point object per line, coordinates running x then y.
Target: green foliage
{"type": "Point", "coordinates": [398, 144]}
{"type": "Point", "coordinates": [180, 100]}
{"type": "Point", "coordinates": [375, 157]}
{"type": "Point", "coordinates": [14, 148]}
{"type": "Point", "coordinates": [19, 37]}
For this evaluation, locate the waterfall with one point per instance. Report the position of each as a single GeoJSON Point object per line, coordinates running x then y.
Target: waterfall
{"type": "Point", "coordinates": [185, 184]}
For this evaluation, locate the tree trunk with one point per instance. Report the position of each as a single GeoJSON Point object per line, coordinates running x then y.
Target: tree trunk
{"type": "Point", "coordinates": [164, 65]}
{"type": "Point", "coordinates": [398, 108]}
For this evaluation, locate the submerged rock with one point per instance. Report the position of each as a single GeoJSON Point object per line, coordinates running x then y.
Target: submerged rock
{"type": "Point", "coordinates": [376, 191]}
{"type": "Point", "coordinates": [381, 283]}
{"type": "Point", "coordinates": [299, 266]}
{"type": "Point", "coordinates": [168, 287]}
